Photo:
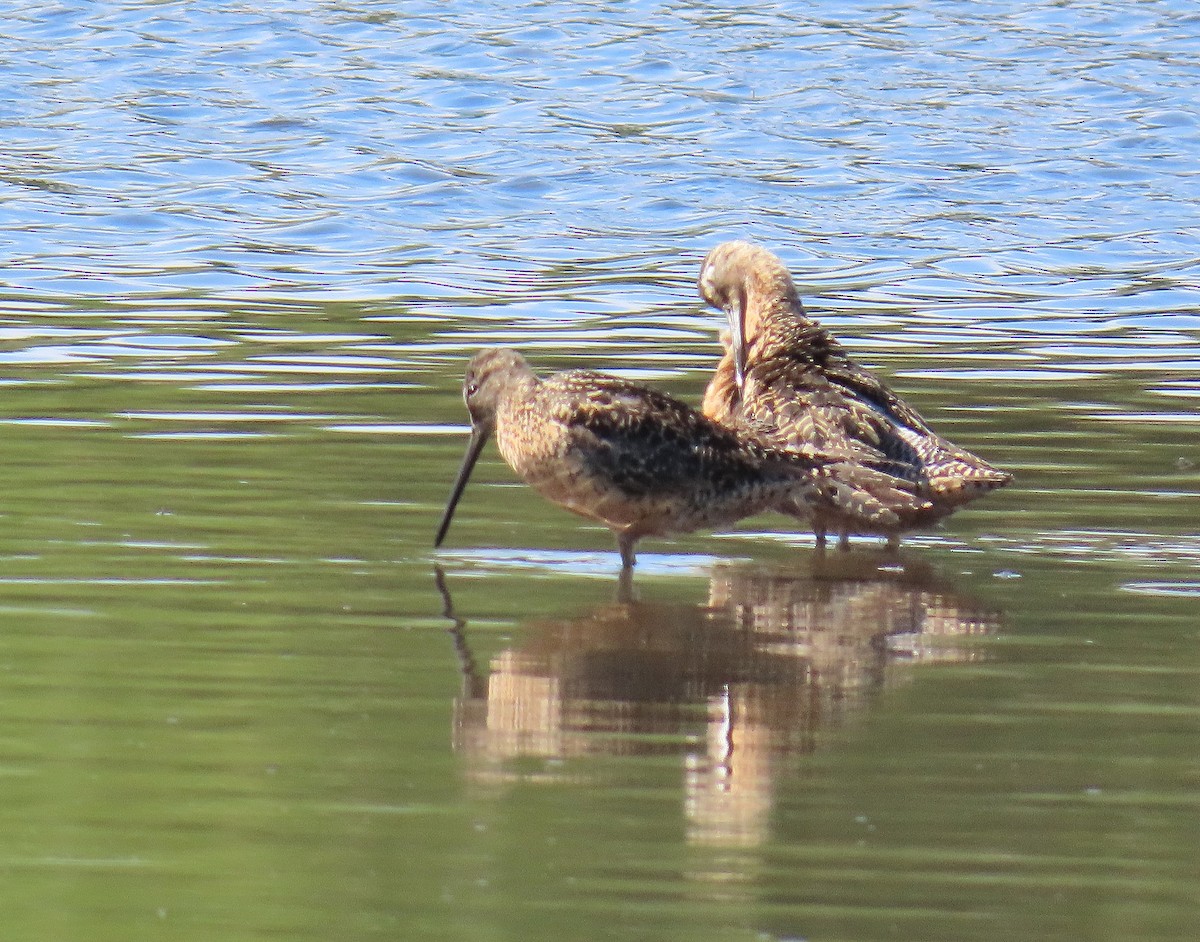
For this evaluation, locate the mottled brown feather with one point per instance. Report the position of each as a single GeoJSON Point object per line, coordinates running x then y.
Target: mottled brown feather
{"type": "Point", "coordinates": [802, 385]}
{"type": "Point", "coordinates": [643, 463]}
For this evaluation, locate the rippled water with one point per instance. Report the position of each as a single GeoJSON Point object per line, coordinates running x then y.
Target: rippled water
{"type": "Point", "coordinates": [246, 252]}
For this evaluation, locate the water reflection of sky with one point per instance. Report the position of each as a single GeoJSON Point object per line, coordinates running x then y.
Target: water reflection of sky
{"type": "Point", "coordinates": [1019, 162]}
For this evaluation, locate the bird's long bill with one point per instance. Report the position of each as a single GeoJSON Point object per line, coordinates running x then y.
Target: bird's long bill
{"type": "Point", "coordinates": [479, 438]}
{"type": "Point", "coordinates": [737, 335]}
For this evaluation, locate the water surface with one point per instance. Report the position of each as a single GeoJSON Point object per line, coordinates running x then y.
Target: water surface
{"type": "Point", "coordinates": [247, 251]}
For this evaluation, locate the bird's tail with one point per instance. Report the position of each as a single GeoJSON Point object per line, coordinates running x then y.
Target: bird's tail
{"type": "Point", "coordinates": [874, 498]}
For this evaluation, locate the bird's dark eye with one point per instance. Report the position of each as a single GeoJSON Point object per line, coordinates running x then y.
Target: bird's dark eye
{"type": "Point", "coordinates": [472, 387]}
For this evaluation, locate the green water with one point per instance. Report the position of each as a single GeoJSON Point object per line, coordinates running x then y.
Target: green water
{"type": "Point", "coordinates": [247, 249]}
{"type": "Point", "coordinates": [239, 701]}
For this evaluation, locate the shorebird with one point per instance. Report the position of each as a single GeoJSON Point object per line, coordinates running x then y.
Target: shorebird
{"type": "Point", "coordinates": [643, 463]}
{"type": "Point", "coordinates": [783, 371]}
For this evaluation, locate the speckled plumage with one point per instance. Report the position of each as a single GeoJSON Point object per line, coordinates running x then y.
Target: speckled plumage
{"type": "Point", "coordinates": [796, 380]}
{"type": "Point", "coordinates": [641, 462]}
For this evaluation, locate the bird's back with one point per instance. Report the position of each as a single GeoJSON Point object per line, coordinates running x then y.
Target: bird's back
{"type": "Point", "coordinates": [800, 383]}
{"type": "Point", "coordinates": [644, 442]}
{"type": "Point", "coordinates": [633, 456]}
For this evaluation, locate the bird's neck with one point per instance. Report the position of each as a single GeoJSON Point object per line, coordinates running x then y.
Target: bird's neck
{"type": "Point", "coordinates": [784, 326]}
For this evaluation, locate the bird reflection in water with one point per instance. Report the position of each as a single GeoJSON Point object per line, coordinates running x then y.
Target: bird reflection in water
{"type": "Point", "coordinates": [736, 686]}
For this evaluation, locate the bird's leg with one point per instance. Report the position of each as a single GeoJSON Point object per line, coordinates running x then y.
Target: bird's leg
{"type": "Point", "coordinates": [844, 539]}
{"type": "Point", "coordinates": [893, 542]}
{"type": "Point", "coordinates": [625, 543]}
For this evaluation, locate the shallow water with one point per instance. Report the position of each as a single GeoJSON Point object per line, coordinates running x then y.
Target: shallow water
{"type": "Point", "coordinates": [246, 254]}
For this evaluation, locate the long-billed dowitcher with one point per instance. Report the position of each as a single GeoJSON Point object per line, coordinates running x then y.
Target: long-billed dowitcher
{"type": "Point", "coordinates": [784, 371]}
{"type": "Point", "coordinates": [643, 463]}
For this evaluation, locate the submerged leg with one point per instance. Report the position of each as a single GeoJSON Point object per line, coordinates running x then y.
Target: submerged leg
{"type": "Point", "coordinates": [625, 586]}
{"type": "Point", "coordinates": [893, 542]}
{"type": "Point", "coordinates": [844, 540]}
